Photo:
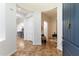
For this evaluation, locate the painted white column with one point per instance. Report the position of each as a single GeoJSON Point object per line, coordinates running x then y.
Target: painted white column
{"type": "Point", "coordinates": [29, 29]}
{"type": "Point", "coordinates": [32, 28]}
{"type": "Point", "coordinates": [37, 28]}
{"type": "Point", "coordinates": [2, 22]}
{"type": "Point", "coordinates": [59, 27]}
{"type": "Point", "coordinates": [8, 19]}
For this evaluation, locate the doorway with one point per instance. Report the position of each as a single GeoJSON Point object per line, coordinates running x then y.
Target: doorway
{"type": "Point", "coordinates": [45, 24]}
{"type": "Point", "coordinates": [49, 25]}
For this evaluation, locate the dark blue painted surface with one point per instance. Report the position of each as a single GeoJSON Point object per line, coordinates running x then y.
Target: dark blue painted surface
{"type": "Point", "coordinates": [66, 14]}
{"type": "Point", "coordinates": [70, 49]}
{"type": "Point", "coordinates": [76, 24]}
{"type": "Point", "coordinates": [72, 22]}
{"type": "Point", "coordinates": [71, 33]}
{"type": "Point", "coordinates": [65, 49]}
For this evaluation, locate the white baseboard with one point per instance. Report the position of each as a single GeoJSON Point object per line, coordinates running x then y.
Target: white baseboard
{"type": "Point", "coordinates": [12, 53]}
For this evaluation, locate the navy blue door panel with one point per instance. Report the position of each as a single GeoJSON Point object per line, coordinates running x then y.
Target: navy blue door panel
{"type": "Point", "coordinates": [66, 17]}
{"type": "Point", "coordinates": [65, 28]}
{"type": "Point", "coordinates": [71, 29]}
{"type": "Point", "coordinates": [66, 52]}
{"type": "Point", "coordinates": [71, 48]}
{"type": "Point", "coordinates": [76, 24]}
{"type": "Point", "coordinates": [72, 22]}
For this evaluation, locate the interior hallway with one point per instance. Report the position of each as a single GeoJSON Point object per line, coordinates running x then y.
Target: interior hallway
{"type": "Point", "coordinates": [25, 48]}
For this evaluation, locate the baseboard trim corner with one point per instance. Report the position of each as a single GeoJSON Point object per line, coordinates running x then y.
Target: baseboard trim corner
{"type": "Point", "coordinates": [12, 53]}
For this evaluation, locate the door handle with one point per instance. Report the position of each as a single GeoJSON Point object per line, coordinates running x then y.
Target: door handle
{"type": "Point", "coordinates": [69, 27]}
{"type": "Point", "coordinates": [63, 37]}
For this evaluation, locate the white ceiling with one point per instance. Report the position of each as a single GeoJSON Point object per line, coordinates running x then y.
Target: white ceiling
{"type": "Point", "coordinates": [26, 8]}
{"type": "Point", "coordinates": [37, 6]}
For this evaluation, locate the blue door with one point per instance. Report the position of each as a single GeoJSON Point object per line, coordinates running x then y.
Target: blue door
{"type": "Point", "coordinates": [70, 29]}
{"type": "Point", "coordinates": [77, 25]}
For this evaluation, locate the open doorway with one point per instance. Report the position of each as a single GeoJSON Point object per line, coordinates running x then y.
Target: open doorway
{"type": "Point", "coordinates": [49, 25]}
{"type": "Point", "coordinates": [38, 29]}
{"type": "Point", "coordinates": [24, 25]}
{"type": "Point", "coordinates": [20, 16]}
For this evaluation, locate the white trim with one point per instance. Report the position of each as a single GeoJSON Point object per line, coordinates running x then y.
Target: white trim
{"type": "Point", "coordinates": [59, 27]}
{"type": "Point", "coordinates": [12, 53]}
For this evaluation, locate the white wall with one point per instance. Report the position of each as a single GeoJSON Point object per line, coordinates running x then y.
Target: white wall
{"type": "Point", "coordinates": [32, 28]}
{"type": "Point", "coordinates": [29, 29]}
{"type": "Point", "coordinates": [59, 27]}
{"type": "Point", "coordinates": [52, 27]}
{"type": "Point", "coordinates": [37, 28]}
{"type": "Point", "coordinates": [8, 46]}
{"type": "Point", "coordinates": [2, 22]}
